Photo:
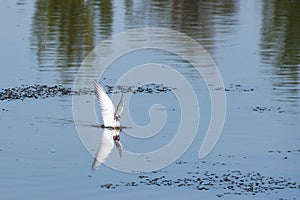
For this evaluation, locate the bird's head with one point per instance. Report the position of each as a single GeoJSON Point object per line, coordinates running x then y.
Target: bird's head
{"type": "Point", "coordinates": [117, 117]}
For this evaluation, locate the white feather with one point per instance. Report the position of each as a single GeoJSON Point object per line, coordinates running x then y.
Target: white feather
{"type": "Point", "coordinates": [120, 107]}
{"type": "Point", "coordinates": [106, 106]}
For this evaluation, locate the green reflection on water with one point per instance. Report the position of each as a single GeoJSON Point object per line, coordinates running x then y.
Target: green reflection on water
{"type": "Point", "coordinates": [280, 47]}
{"type": "Point", "coordinates": [63, 33]}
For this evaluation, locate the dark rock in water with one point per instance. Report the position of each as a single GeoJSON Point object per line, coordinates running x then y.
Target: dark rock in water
{"type": "Point", "coordinates": [141, 177]}
{"type": "Point", "coordinates": [232, 182]}
{"type": "Point", "coordinates": [262, 109]}
{"type": "Point", "coordinates": [146, 88]}
{"type": "Point", "coordinates": [108, 186]}
{"type": "Point", "coordinates": [131, 184]}
{"type": "Point", "coordinates": [34, 92]}
{"type": "Point", "coordinates": [237, 88]}
{"type": "Point", "coordinates": [202, 188]}
{"type": "Point", "coordinates": [44, 91]}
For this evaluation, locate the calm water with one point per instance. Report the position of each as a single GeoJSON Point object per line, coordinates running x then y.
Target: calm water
{"type": "Point", "coordinates": [255, 44]}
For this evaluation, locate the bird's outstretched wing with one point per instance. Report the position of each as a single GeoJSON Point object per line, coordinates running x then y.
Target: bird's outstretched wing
{"type": "Point", "coordinates": [120, 107]}
{"type": "Point", "coordinates": [106, 106]}
{"type": "Point", "coordinates": [105, 148]}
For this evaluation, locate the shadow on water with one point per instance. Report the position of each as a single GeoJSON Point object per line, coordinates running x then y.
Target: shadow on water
{"type": "Point", "coordinates": [280, 52]}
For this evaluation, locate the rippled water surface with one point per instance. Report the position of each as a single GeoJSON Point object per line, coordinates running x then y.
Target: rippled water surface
{"type": "Point", "coordinates": [256, 46]}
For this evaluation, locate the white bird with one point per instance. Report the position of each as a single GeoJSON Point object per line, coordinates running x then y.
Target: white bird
{"type": "Point", "coordinates": [110, 116]}
{"type": "Point", "coordinates": [112, 127]}
{"type": "Point", "coordinates": [106, 147]}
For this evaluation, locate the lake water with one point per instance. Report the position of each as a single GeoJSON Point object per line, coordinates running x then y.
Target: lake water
{"type": "Point", "coordinates": [256, 47]}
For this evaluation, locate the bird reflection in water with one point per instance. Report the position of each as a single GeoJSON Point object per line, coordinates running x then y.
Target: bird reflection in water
{"type": "Point", "coordinates": [111, 118]}
{"type": "Point", "coordinates": [110, 137]}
